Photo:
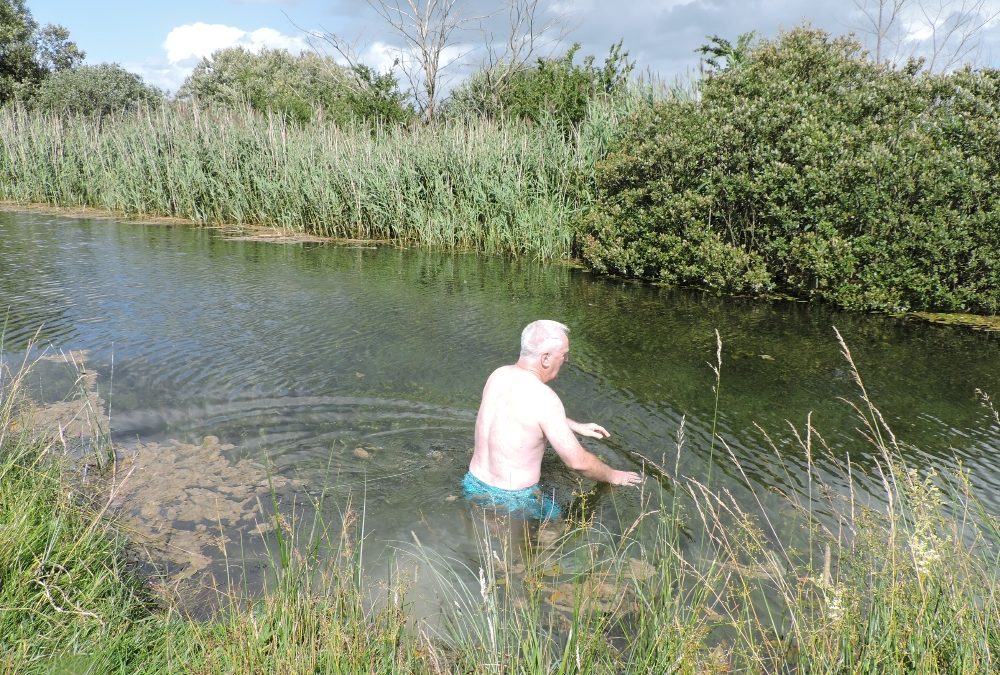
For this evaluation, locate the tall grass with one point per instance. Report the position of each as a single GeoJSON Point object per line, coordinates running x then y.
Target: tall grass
{"type": "Point", "coordinates": [491, 186]}
{"type": "Point", "coordinates": [898, 579]}
{"type": "Point", "coordinates": [904, 578]}
{"type": "Point", "coordinates": [70, 600]}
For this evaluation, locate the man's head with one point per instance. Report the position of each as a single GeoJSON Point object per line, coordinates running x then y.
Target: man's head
{"type": "Point", "coordinates": [545, 343]}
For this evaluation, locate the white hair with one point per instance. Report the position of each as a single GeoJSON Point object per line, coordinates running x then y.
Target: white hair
{"type": "Point", "coordinates": [538, 336]}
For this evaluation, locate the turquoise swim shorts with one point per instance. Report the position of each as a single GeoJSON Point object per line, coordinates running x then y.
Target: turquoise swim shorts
{"type": "Point", "coordinates": [529, 502]}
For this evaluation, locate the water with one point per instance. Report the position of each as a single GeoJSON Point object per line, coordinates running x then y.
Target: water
{"type": "Point", "coordinates": [295, 356]}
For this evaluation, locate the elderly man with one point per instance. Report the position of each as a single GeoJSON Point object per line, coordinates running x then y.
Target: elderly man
{"type": "Point", "coordinates": [518, 413]}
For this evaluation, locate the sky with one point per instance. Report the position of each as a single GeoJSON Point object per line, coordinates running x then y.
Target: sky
{"type": "Point", "coordinates": [163, 41]}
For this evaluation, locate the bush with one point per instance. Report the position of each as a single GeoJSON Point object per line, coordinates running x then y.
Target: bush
{"type": "Point", "coordinates": [301, 87]}
{"type": "Point", "coordinates": [29, 52]}
{"type": "Point", "coordinates": [556, 89]}
{"type": "Point", "coordinates": [101, 89]}
{"type": "Point", "coordinates": [807, 170]}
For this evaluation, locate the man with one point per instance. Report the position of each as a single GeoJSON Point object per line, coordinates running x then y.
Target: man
{"type": "Point", "coordinates": [518, 413]}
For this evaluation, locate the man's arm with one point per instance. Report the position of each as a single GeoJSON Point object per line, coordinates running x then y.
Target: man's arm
{"type": "Point", "coordinates": [558, 429]}
{"type": "Point", "coordinates": [588, 429]}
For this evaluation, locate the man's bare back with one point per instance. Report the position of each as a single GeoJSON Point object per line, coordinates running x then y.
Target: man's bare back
{"type": "Point", "coordinates": [520, 412]}
{"type": "Point", "coordinates": [509, 437]}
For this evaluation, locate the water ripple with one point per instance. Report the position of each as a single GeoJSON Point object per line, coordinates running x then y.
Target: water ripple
{"type": "Point", "coordinates": [304, 354]}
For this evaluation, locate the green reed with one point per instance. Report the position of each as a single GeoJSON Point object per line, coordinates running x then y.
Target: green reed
{"type": "Point", "coordinates": [892, 570]}
{"type": "Point", "coordinates": [490, 186]}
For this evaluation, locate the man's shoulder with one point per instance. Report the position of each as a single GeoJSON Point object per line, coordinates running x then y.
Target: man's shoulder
{"type": "Point", "coordinates": [523, 381]}
{"type": "Point", "coordinates": [502, 373]}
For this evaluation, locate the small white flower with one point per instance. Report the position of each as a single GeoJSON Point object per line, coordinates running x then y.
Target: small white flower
{"type": "Point", "coordinates": [925, 554]}
{"type": "Point", "coordinates": [835, 604]}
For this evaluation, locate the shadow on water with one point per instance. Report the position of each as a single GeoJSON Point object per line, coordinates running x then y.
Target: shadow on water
{"type": "Point", "coordinates": [357, 371]}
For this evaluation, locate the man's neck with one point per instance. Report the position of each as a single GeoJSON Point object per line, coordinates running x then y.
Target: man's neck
{"type": "Point", "coordinates": [532, 368]}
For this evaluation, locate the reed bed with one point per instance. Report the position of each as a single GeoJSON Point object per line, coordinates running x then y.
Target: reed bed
{"type": "Point", "coordinates": [899, 579]}
{"type": "Point", "coordinates": [497, 187]}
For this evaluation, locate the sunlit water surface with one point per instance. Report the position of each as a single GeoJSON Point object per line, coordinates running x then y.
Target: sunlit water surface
{"type": "Point", "coordinates": [299, 355]}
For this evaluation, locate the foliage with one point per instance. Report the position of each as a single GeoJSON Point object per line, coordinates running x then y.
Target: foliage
{"type": "Point", "coordinates": [809, 171]}
{"type": "Point", "coordinates": [557, 89]}
{"type": "Point", "coordinates": [302, 87]}
{"type": "Point", "coordinates": [100, 89]}
{"type": "Point", "coordinates": [29, 52]}
{"type": "Point", "coordinates": [376, 97]}
{"type": "Point", "coordinates": [721, 54]}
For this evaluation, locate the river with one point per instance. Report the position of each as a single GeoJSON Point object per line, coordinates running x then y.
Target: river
{"type": "Point", "coordinates": [356, 370]}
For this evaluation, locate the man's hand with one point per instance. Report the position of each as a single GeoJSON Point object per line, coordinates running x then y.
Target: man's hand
{"type": "Point", "coordinates": [626, 478]}
{"type": "Point", "coordinates": [590, 429]}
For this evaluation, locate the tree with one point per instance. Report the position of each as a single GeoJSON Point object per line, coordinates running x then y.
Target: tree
{"type": "Point", "coordinates": [299, 86]}
{"type": "Point", "coordinates": [952, 30]}
{"type": "Point", "coordinates": [29, 53]}
{"type": "Point", "coordinates": [507, 60]}
{"type": "Point", "coordinates": [882, 23]}
{"type": "Point", "coordinates": [100, 89]}
{"type": "Point", "coordinates": [426, 28]}
{"type": "Point", "coordinates": [429, 33]}
{"type": "Point", "coordinates": [721, 54]}
{"type": "Point", "coordinates": [557, 88]}
{"type": "Point", "coordinates": [955, 30]}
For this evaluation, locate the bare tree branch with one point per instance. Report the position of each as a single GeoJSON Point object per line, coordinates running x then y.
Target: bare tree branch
{"type": "Point", "coordinates": [881, 17]}
{"type": "Point", "coordinates": [428, 29]}
{"type": "Point", "coordinates": [429, 32]}
{"type": "Point", "coordinates": [955, 30]}
{"type": "Point", "coordinates": [525, 34]}
{"type": "Point", "coordinates": [319, 41]}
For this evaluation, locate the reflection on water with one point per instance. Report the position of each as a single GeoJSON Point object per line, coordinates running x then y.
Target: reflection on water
{"type": "Point", "coordinates": [298, 356]}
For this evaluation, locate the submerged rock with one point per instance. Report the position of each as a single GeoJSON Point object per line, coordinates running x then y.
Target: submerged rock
{"type": "Point", "coordinates": [185, 501]}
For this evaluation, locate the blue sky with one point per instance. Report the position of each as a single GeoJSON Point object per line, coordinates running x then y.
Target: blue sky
{"type": "Point", "coordinates": [163, 41]}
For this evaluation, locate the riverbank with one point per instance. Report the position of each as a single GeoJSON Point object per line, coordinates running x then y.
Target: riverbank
{"type": "Point", "coordinates": [496, 187]}
{"type": "Point", "coordinates": [909, 581]}
{"type": "Point", "coordinates": [244, 232]}
{"type": "Point", "coordinates": [724, 185]}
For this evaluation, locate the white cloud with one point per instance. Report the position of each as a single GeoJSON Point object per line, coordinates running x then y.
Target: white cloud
{"type": "Point", "coordinates": [186, 45]}
{"type": "Point", "coordinates": [268, 38]}
{"type": "Point", "coordinates": [198, 40]}
{"type": "Point", "coordinates": [380, 56]}
{"type": "Point", "coordinates": [166, 76]}
{"type": "Point", "coordinates": [564, 7]}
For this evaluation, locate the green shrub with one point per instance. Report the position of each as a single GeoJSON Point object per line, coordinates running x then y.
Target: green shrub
{"type": "Point", "coordinates": [300, 87]}
{"type": "Point", "coordinates": [552, 89]}
{"type": "Point", "coordinates": [101, 89]}
{"type": "Point", "coordinates": [805, 169]}
{"type": "Point", "coordinates": [29, 52]}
